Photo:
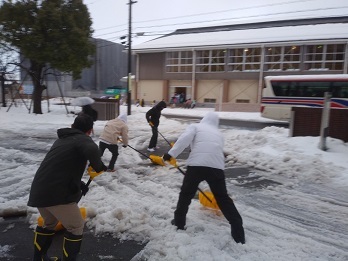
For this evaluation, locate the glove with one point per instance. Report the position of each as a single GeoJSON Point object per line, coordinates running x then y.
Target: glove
{"type": "Point", "coordinates": [151, 124]}
{"type": "Point", "coordinates": [167, 157]}
{"type": "Point", "coordinates": [92, 173]}
{"type": "Point", "coordinates": [124, 146]}
{"type": "Point", "coordinates": [84, 188]}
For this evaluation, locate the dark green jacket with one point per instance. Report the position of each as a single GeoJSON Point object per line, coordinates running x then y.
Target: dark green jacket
{"type": "Point", "coordinates": [58, 179]}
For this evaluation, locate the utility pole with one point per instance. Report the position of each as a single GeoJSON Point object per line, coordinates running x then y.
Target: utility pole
{"type": "Point", "coordinates": [129, 81]}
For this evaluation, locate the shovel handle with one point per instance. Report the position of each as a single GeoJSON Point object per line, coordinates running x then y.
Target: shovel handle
{"type": "Point", "coordinates": [139, 152]}
{"type": "Point", "coordinates": [88, 182]}
{"type": "Point", "coordinates": [165, 138]}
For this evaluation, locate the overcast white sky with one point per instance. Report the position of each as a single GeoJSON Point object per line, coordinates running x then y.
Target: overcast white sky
{"type": "Point", "coordinates": [154, 17]}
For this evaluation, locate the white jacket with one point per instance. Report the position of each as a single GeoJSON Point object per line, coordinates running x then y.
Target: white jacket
{"type": "Point", "coordinates": [206, 143]}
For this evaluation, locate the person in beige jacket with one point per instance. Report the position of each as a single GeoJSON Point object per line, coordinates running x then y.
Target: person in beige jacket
{"type": "Point", "coordinates": [110, 135]}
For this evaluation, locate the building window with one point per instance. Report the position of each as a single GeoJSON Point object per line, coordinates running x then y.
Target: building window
{"type": "Point", "coordinates": [244, 59]}
{"type": "Point", "coordinates": [283, 58]}
{"type": "Point", "coordinates": [209, 100]}
{"type": "Point", "coordinates": [210, 61]}
{"type": "Point", "coordinates": [328, 57]}
{"type": "Point", "coordinates": [179, 62]}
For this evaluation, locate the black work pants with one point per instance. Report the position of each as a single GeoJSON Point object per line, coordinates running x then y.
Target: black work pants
{"type": "Point", "coordinates": [113, 148]}
{"type": "Point", "coordinates": [216, 180]}
{"type": "Point", "coordinates": [153, 141]}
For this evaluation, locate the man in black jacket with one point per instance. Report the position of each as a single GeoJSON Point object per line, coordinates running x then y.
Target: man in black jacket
{"type": "Point", "coordinates": [152, 116]}
{"type": "Point", "coordinates": [57, 187]}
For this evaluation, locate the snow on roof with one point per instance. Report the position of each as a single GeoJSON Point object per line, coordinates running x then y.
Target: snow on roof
{"type": "Point", "coordinates": [249, 36]}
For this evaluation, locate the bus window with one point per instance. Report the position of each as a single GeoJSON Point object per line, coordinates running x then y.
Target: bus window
{"type": "Point", "coordinates": [340, 90]}
{"type": "Point", "coordinates": [280, 88]}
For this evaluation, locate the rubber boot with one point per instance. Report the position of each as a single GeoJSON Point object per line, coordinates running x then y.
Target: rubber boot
{"type": "Point", "coordinates": [42, 241]}
{"type": "Point", "coordinates": [71, 246]}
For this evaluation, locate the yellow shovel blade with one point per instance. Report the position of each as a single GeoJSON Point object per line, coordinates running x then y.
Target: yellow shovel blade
{"type": "Point", "coordinates": [92, 173]}
{"type": "Point", "coordinates": [59, 226]}
{"type": "Point", "coordinates": [173, 162]}
{"type": "Point", "coordinates": [205, 202]}
{"type": "Point", "coordinates": [157, 160]}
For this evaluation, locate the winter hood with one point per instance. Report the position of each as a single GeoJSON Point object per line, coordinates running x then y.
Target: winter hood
{"type": "Point", "coordinates": [123, 117]}
{"type": "Point", "coordinates": [211, 118]}
{"type": "Point", "coordinates": [161, 105]}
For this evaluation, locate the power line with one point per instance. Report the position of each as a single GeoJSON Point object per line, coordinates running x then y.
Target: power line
{"type": "Point", "coordinates": [216, 12]}
{"type": "Point", "coordinates": [251, 16]}
{"type": "Point", "coordinates": [229, 10]}
{"type": "Point", "coordinates": [225, 19]}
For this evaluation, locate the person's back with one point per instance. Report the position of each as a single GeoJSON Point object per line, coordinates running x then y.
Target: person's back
{"type": "Point", "coordinates": [207, 146]}
{"type": "Point", "coordinates": [206, 143]}
{"type": "Point", "coordinates": [115, 128]}
{"type": "Point", "coordinates": [110, 137]}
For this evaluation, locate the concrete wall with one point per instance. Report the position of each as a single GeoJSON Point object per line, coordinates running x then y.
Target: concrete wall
{"type": "Point", "coordinates": [241, 91]}
{"type": "Point", "coordinates": [150, 90]}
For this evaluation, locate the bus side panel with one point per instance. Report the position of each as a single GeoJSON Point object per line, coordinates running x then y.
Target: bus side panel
{"type": "Point", "coordinates": [281, 113]}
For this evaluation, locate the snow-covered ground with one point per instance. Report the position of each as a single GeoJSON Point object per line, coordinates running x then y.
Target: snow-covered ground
{"type": "Point", "coordinates": [303, 218]}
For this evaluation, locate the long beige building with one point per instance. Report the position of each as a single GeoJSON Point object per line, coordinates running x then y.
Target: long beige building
{"type": "Point", "coordinates": [224, 66]}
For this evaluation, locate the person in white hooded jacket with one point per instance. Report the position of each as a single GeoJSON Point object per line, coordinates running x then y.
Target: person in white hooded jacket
{"type": "Point", "coordinates": [205, 162]}
{"type": "Point", "coordinates": [110, 136]}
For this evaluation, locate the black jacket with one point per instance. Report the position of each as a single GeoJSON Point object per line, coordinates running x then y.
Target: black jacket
{"type": "Point", "coordinates": [58, 179]}
{"type": "Point", "coordinates": [87, 109]}
{"type": "Point", "coordinates": [154, 113]}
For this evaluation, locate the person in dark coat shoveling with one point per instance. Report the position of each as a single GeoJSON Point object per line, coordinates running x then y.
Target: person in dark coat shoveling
{"type": "Point", "coordinates": [57, 187]}
{"type": "Point", "coordinates": [152, 116]}
{"type": "Point", "coordinates": [205, 162]}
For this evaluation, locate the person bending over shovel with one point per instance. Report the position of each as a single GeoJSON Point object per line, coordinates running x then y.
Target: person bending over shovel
{"type": "Point", "coordinates": [110, 136]}
{"type": "Point", "coordinates": [57, 187]}
{"type": "Point", "coordinates": [205, 162]}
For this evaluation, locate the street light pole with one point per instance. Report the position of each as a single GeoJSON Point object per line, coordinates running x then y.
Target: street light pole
{"type": "Point", "coordinates": [129, 81]}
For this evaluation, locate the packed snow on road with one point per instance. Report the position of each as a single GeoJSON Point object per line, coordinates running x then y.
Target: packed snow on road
{"type": "Point", "coordinates": [292, 196]}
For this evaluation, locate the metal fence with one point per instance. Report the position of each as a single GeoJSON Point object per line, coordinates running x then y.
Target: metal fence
{"type": "Point", "coordinates": [306, 122]}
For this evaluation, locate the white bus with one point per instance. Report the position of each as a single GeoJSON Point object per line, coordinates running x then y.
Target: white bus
{"type": "Point", "coordinates": [280, 93]}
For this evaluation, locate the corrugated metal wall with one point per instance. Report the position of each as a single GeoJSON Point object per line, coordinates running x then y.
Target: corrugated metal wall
{"type": "Point", "coordinates": [110, 65]}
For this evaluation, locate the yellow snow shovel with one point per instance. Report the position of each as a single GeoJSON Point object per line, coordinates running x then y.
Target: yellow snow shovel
{"type": "Point", "coordinates": [155, 159]}
{"type": "Point", "coordinates": [92, 174]}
